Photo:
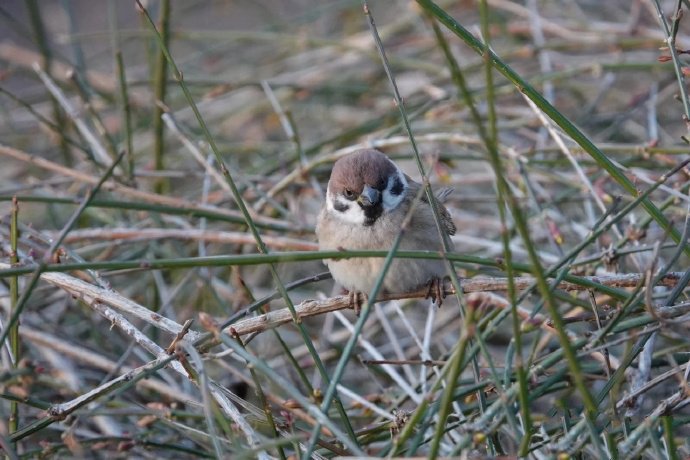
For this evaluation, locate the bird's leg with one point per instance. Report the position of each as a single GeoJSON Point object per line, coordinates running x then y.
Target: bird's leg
{"type": "Point", "coordinates": [436, 291]}
{"type": "Point", "coordinates": [356, 299]}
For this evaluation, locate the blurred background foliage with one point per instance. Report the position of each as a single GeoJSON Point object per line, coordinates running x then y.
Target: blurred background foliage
{"type": "Point", "coordinates": [285, 88]}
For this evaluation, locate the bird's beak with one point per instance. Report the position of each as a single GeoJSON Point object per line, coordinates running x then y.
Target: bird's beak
{"type": "Point", "coordinates": [369, 196]}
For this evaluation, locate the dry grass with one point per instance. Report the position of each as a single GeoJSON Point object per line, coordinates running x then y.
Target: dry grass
{"type": "Point", "coordinates": [161, 233]}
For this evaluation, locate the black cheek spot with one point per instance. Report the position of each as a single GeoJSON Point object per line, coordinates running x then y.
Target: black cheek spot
{"type": "Point", "coordinates": [397, 188]}
{"type": "Point", "coordinates": [341, 207]}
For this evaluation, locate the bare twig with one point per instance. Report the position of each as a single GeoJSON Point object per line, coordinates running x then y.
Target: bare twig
{"type": "Point", "coordinates": [75, 115]}
{"type": "Point", "coordinates": [92, 294]}
{"type": "Point", "coordinates": [130, 192]}
{"type": "Point", "coordinates": [98, 361]}
{"type": "Point", "coordinates": [317, 307]}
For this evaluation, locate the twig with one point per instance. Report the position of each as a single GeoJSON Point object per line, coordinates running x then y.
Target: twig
{"type": "Point", "coordinates": [627, 399]}
{"type": "Point", "coordinates": [180, 335]}
{"type": "Point", "coordinates": [665, 407]}
{"type": "Point", "coordinates": [317, 307]}
{"type": "Point", "coordinates": [132, 192]}
{"type": "Point", "coordinates": [23, 57]}
{"type": "Point", "coordinates": [91, 294]}
{"type": "Point", "coordinates": [195, 151]}
{"type": "Point", "coordinates": [97, 148]}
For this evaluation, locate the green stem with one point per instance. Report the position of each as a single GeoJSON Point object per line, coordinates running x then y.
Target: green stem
{"type": "Point", "coordinates": [491, 141]}
{"type": "Point", "coordinates": [15, 344]}
{"type": "Point", "coordinates": [160, 87]}
{"type": "Point", "coordinates": [671, 448]}
{"type": "Point", "coordinates": [264, 403]}
{"type": "Point", "coordinates": [456, 366]}
{"type": "Point", "coordinates": [126, 115]}
{"type": "Point", "coordinates": [44, 47]}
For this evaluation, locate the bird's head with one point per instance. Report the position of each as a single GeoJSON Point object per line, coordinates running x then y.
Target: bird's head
{"type": "Point", "coordinates": [363, 186]}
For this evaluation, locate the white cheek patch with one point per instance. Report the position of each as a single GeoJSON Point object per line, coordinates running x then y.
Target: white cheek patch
{"type": "Point", "coordinates": [398, 184]}
{"type": "Point", "coordinates": [337, 204]}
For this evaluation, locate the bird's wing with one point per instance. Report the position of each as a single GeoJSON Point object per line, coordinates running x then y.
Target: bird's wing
{"type": "Point", "coordinates": [440, 197]}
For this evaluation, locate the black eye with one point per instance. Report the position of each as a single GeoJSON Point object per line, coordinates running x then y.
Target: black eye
{"type": "Point", "coordinates": [349, 194]}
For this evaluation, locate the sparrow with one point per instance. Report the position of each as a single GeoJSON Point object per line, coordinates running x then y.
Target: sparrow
{"type": "Point", "coordinates": [367, 201]}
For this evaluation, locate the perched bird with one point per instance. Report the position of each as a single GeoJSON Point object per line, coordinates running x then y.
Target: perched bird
{"type": "Point", "coordinates": [367, 202]}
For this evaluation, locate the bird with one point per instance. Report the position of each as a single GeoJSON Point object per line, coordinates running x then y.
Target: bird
{"type": "Point", "coordinates": [368, 199]}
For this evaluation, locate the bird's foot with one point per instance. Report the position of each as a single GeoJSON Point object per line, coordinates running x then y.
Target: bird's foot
{"type": "Point", "coordinates": [436, 291]}
{"type": "Point", "coordinates": [356, 300]}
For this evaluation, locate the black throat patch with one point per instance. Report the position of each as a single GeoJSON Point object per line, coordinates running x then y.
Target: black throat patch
{"type": "Point", "coordinates": [371, 213]}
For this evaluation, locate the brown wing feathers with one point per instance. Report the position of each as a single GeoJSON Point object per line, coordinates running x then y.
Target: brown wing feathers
{"type": "Point", "coordinates": [440, 198]}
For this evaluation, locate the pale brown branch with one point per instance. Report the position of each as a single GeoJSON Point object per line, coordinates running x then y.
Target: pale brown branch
{"type": "Point", "coordinates": [93, 295]}
{"type": "Point", "coordinates": [479, 284]}
{"type": "Point", "coordinates": [76, 115]}
{"type": "Point", "coordinates": [98, 361]}
{"type": "Point", "coordinates": [628, 398]}
{"type": "Point", "coordinates": [474, 285]}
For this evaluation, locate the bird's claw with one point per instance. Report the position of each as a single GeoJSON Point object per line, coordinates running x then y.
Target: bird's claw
{"type": "Point", "coordinates": [356, 300]}
{"type": "Point", "coordinates": [436, 291]}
